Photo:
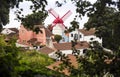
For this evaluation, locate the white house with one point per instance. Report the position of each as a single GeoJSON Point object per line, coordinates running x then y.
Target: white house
{"type": "Point", "coordinates": [48, 51]}
{"type": "Point", "coordinates": [84, 35]}
{"type": "Point", "coordinates": [7, 31]}
{"type": "Point", "coordinates": [65, 48]}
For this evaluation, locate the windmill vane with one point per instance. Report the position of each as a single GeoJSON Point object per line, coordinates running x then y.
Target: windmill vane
{"type": "Point", "coordinates": [57, 19]}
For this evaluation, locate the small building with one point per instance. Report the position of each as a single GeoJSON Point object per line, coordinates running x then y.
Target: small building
{"type": "Point", "coordinates": [66, 48]}
{"type": "Point", "coordinates": [30, 38]}
{"type": "Point", "coordinates": [7, 31]}
{"type": "Point", "coordinates": [47, 51]}
{"type": "Point", "coordinates": [84, 35]}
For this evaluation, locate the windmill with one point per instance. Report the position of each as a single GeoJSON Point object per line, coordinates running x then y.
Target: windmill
{"type": "Point", "coordinates": [59, 20]}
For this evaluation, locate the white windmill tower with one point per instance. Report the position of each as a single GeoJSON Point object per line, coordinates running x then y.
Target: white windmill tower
{"type": "Point", "coordinates": [58, 26]}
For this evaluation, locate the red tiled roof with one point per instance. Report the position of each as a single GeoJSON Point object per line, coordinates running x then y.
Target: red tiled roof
{"type": "Point", "coordinates": [73, 60]}
{"type": "Point", "coordinates": [56, 65]}
{"type": "Point", "coordinates": [46, 50]}
{"type": "Point", "coordinates": [14, 29]}
{"type": "Point", "coordinates": [32, 40]}
{"type": "Point", "coordinates": [68, 45]}
{"type": "Point", "coordinates": [87, 32]}
{"type": "Point", "coordinates": [11, 35]}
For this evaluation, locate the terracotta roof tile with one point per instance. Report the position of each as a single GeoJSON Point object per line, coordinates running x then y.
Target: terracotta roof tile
{"type": "Point", "coordinates": [87, 32]}
{"type": "Point", "coordinates": [46, 50]}
{"type": "Point", "coordinates": [14, 29]}
{"type": "Point", "coordinates": [66, 71]}
{"type": "Point", "coordinates": [73, 60]}
{"type": "Point", "coordinates": [11, 35]}
{"type": "Point", "coordinates": [68, 45]}
{"type": "Point", "coordinates": [32, 40]}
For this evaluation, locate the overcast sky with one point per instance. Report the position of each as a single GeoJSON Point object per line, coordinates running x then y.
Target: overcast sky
{"type": "Point", "coordinates": [51, 4]}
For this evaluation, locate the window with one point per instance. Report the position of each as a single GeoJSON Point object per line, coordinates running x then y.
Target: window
{"type": "Point", "coordinates": [80, 36]}
{"type": "Point", "coordinates": [71, 35]}
{"type": "Point", "coordinates": [76, 36]}
{"type": "Point", "coordinates": [84, 51]}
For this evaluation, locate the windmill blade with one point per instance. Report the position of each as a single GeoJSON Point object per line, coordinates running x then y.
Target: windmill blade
{"type": "Point", "coordinates": [66, 15]}
{"type": "Point", "coordinates": [53, 12]}
{"type": "Point", "coordinates": [63, 25]}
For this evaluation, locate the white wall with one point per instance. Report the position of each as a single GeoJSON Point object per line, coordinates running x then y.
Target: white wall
{"type": "Point", "coordinates": [21, 45]}
{"type": "Point", "coordinates": [88, 38]}
{"type": "Point", "coordinates": [84, 38]}
{"type": "Point", "coordinates": [52, 55]}
{"type": "Point", "coordinates": [73, 33]}
{"type": "Point", "coordinates": [66, 52]}
{"type": "Point", "coordinates": [58, 29]}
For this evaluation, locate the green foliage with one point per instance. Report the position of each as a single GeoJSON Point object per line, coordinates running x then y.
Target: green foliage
{"type": "Point", "coordinates": [33, 63]}
{"type": "Point", "coordinates": [36, 18]}
{"type": "Point", "coordinates": [2, 41]}
{"type": "Point", "coordinates": [107, 26]}
{"type": "Point", "coordinates": [6, 5]}
{"type": "Point", "coordinates": [104, 17]}
{"type": "Point", "coordinates": [75, 25]}
{"type": "Point", "coordinates": [57, 38]}
{"type": "Point", "coordinates": [97, 63]}
{"type": "Point", "coordinates": [8, 59]}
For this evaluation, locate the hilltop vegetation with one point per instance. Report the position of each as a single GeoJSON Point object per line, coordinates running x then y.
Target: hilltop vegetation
{"type": "Point", "coordinates": [32, 63]}
{"type": "Point", "coordinates": [14, 62]}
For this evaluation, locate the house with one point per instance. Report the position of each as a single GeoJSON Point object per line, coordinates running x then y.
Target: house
{"type": "Point", "coordinates": [47, 51]}
{"type": "Point", "coordinates": [72, 61]}
{"type": "Point", "coordinates": [10, 33]}
{"type": "Point", "coordinates": [84, 35]}
{"type": "Point", "coordinates": [7, 31]}
{"type": "Point", "coordinates": [29, 38]}
{"type": "Point", "coordinates": [64, 48]}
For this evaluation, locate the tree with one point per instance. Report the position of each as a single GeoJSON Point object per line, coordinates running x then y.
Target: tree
{"type": "Point", "coordinates": [57, 38]}
{"type": "Point", "coordinates": [107, 27]}
{"type": "Point", "coordinates": [8, 59]}
{"type": "Point", "coordinates": [104, 17]}
{"type": "Point", "coordinates": [36, 18]}
{"type": "Point", "coordinates": [33, 63]}
{"type": "Point", "coordinates": [75, 25]}
{"type": "Point", "coordinates": [6, 5]}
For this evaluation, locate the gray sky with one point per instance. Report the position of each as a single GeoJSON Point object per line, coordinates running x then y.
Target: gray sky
{"type": "Point", "coordinates": [51, 4]}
